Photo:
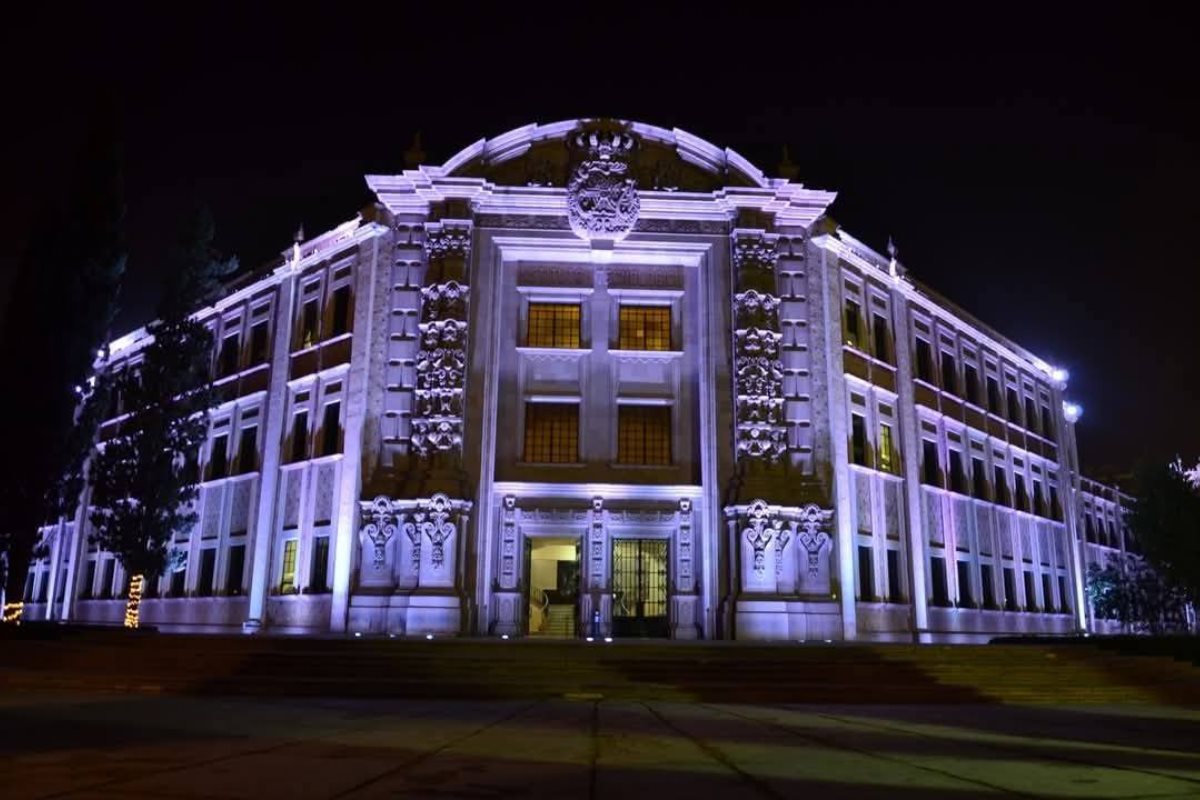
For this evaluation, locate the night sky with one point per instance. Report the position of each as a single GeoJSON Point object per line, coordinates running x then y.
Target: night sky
{"type": "Point", "coordinates": [1041, 172]}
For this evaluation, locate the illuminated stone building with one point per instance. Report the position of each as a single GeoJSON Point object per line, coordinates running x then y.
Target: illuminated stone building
{"type": "Point", "coordinates": [607, 378]}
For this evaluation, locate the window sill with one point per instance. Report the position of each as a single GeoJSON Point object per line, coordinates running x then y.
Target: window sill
{"type": "Point", "coordinates": [567, 464]}
{"type": "Point", "coordinates": [553, 351]}
{"type": "Point", "coordinates": [665, 355]}
{"type": "Point", "coordinates": [648, 467]}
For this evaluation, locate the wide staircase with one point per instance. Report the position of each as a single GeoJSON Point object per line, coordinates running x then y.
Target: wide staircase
{"type": "Point", "coordinates": [493, 669]}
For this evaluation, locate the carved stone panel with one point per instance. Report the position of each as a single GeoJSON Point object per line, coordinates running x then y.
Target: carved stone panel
{"type": "Point", "coordinates": [761, 431]}
{"type": "Point", "coordinates": [602, 197]}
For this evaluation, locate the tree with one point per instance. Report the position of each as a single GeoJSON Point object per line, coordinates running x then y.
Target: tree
{"type": "Point", "coordinates": [59, 315]}
{"type": "Point", "coordinates": [1137, 596]}
{"type": "Point", "coordinates": [143, 477]}
{"type": "Point", "coordinates": [1165, 521]}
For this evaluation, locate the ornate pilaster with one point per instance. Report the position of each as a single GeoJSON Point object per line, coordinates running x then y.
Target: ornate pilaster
{"type": "Point", "coordinates": [598, 596]}
{"type": "Point", "coordinates": [685, 599]}
{"type": "Point", "coordinates": [760, 434]}
{"type": "Point", "coordinates": [437, 422]}
{"type": "Point", "coordinates": [507, 600]}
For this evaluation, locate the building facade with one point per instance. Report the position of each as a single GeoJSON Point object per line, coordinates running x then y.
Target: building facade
{"type": "Point", "coordinates": [603, 378]}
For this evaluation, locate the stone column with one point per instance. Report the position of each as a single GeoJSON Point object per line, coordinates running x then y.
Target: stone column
{"type": "Point", "coordinates": [684, 599]}
{"type": "Point", "coordinates": [274, 410]}
{"type": "Point", "coordinates": [1069, 489]}
{"type": "Point", "coordinates": [910, 452]}
{"type": "Point", "coordinates": [506, 599]}
{"type": "Point", "coordinates": [599, 592]}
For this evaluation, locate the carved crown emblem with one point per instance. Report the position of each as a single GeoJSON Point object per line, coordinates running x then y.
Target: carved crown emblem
{"type": "Point", "coordinates": [602, 200]}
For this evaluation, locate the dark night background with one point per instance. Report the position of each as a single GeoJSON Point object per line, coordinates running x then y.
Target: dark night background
{"type": "Point", "coordinates": [1040, 171]}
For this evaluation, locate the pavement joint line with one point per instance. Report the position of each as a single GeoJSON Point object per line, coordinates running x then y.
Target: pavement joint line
{"type": "Point", "coordinates": [1018, 750]}
{"type": "Point", "coordinates": [204, 762]}
{"type": "Point", "coordinates": [428, 754]}
{"type": "Point", "coordinates": [593, 750]}
{"type": "Point", "coordinates": [718, 755]}
{"type": "Point", "coordinates": [824, 742]}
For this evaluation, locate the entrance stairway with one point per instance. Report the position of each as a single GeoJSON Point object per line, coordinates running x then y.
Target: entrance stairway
{"type": "Point", "coordinates": [559, 622]}
{"type": "Point", "coordinates": [1065, 673]}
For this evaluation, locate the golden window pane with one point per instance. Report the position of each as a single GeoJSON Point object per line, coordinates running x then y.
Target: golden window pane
{"type": "Point", "coordinates": [885, 448]}
{"type": "Point", "coordinates": [551, 433]}
{"type": "Point", "coordinates": [288, 583]}
{"type": "Point", "coordinates": [553, 325]}
{"type": "Point", "coordinates": [645, 328]}
{"type": "Point", "coordinates": [644, 435]}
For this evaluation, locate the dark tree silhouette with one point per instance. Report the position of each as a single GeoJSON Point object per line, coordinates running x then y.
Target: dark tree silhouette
{"type": "Point", "coordinates": [143, 477]}
{"type": "Point", "coordinates": [59, 314]}
{"type": "Point", "coordinates": [1165, 521]}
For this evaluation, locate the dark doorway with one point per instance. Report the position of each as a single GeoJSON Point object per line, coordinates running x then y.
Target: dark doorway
{"type": "Point", "coordinates": [640, 588]}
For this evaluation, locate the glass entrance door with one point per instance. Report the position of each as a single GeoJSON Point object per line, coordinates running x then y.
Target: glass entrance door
{"type": "Point", "coordinates": [640, 587]}
{"type": "Point", "coordinates": [552, 586]}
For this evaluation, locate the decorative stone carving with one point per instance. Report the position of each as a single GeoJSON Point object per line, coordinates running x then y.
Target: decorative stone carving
{"type": "Point", "coordinates": [602, 198]}
{"type": "Point", "coordinates": [437, 423]}
{"type": "Point", "coordinates": [508, 543]}
{"type": "Point", "coordinates": [596, 537]}
{"type": "Point", "coordinates": [438, 529]}
{"type": "Point", "coordinates": [812, 537]}
{"type": "Point", "coordinates": [760, 529]}
{"type": "Point", "coordinates": [413, 532]}
{"type": "Point", "coordinates": [378, 526]}
{"type": "Point", "coordinates": [683, 546]}
{"type": "Point", "coordinates": [781, 542]}
{"type": "Point", "coordinates": [758, 371]}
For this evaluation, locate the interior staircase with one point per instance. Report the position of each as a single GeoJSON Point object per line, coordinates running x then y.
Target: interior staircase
{"type": "Point", "coordinates": [1067, 673]}
{"type": "Point", "coordinates": [559, 622]}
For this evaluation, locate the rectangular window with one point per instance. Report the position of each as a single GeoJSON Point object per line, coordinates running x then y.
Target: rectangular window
{"type": "Point", "coordinates": [1000, 482]}
{"type": "Point", "coordinates": [988, 585]}
{"type": "Point", "coordinates": [949, 373]}
{"type": "Point", "coordinates": [1047, 593]}
{"type": "Point", "coordinates": [1031, 603]}
{"type": "Point", "coordinates": [1014, 406]}
{"type": "Point", "coordinates": [937, 577]}
{"type": "Point", "coordinates": [643, 435]}
{"type": "Point", "coordinates": [883, 338]}
{"type": "Point", "coordinates": [300, 436]}
{"type": "Point", "coordinates": [248, 450]}
{"type": "Point", "coordinates": [958, 478]}
{"type": "Point", "coordinates": [924, 361]}
{"type": "Point", "coordinates": [178, 583]}
{"type": "Point", "coordinates": [644, 328]}
{"type": "Point", "coordinates": [259, 343]}
{"type": "Point", "coordinates": [331, 429]}
{"type": "Point", "coordinates": [932, 474]}
{"type": "Point", "coordinates": [208, 565]}
{"type": "Point", "coordinates": [310, 323]}
{"type": "Point", "coordinates": [858, 439]}
{"type": "Point", "coordinates": [287, 580]}
{"type": "Point", "coordinates": [230, 346]}
{"type": "Point", "coordinates": [970, 383]}
{"type": "Point", "coordinates": [218, 459]}
{"type": "Point", "coordinates": [1064, 598]}
{"type": "Point", "coordinates": [866, 574]}
{"type": "Point", "coordinates": [993, 395]}
{"type": "Point", "coordinates": [341, 311]}
{"type": "Point", "coordinates": [191, 468]}
{"type": "Point", "coordinates": [553, 325]}
{"type": "Point", "coordinates": [551, 433]}
{"type": "Point", "coordinates": [1010, 589]}
{"type": "Point", "coordinates": [965, 598]}
{"type": "Point", "coordinates": [1022, 497]}
{"type": "Point", "coordinates": [106, 579]}
{"type": "Point", "coordinates": [1055, 509]}
{"type": "Point", "coordinates": [1031, 420]}
{"type": "Point", "coordinates": [1047, 423]}
{"type": "Point", "coordinates": [237, 565]}
{"type": "Point", "coordinates": [979, 479]}
{"type": "Point", "coordinates": [887, 461]}
{"type": "Point", "coordinates": [318, 582]}
{"type": "Point", "coordinates": [1039, 499]}
{"type": "Point", "coordinates": [90, 581]}
{"type": "Point", "coordinates": [853, 318]}
{"type": "Point", "coordinates": [893, 576]}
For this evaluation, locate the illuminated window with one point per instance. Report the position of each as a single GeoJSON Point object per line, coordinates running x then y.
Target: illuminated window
{"type": "Point", "coordinates": [886, 461]}
{"type": "Point", "coordinates": [853, 319]}
{"type": "Point", "coordinates": [645, 328]}
{"type": "Point", "coordinates": [643, 434]}
{"type": "Point", "coordinates": [287, 583]}
{"type": "Point", "coordinates": [552, 433]}
{"type": "Point", "coordinates": [553, 325]}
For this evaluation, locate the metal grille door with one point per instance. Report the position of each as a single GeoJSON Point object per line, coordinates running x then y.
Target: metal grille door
{"type": "Point", "coordinates": [640, 587]}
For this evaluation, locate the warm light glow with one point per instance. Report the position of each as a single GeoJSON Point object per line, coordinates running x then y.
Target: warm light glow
{"type": "Point", "coordinates": [12, 613]}
{"type": "Point", "coordinates": [133, 605]}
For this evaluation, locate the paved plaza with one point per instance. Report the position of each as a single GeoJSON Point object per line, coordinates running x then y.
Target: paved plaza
{"type": "Point", "coordinates": [147, 746]}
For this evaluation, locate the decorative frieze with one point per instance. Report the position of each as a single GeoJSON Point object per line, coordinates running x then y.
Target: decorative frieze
{"type": "Point", "coordinates": [434, 520]}
{"type": "Point", "coordinates": [759, 525]}
{"type": "Point", "coordinates": [758, 372]}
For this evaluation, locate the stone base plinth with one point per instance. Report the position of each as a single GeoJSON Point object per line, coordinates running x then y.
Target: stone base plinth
{"type": "Point", "coordinates": [787, 620]}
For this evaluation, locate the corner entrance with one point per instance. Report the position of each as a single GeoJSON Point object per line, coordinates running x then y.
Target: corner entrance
{"type": "Point", "coordinates": [640, 588]}
{"type": "Point", "coordinates": [552, 593]}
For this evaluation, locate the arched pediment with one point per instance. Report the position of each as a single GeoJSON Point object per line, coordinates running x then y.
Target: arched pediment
{"type": "Point", "coordinates": [662, 160]}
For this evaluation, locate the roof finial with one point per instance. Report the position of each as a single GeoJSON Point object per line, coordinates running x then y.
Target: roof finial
{"type": "Point", "coordinates": [786, 168]}
{"type": "Point", "coordinates": [892, 251]}
{"type": "Point", "coordinates": [414, 156]}
{"type": "Point", "coordinates": [297, 238]}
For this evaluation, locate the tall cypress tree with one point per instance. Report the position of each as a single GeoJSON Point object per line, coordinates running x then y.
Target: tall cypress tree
{"type": "Point", "coordinates": [144, 486]}
{"type": "Point", "coordinates": [59, 314]}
